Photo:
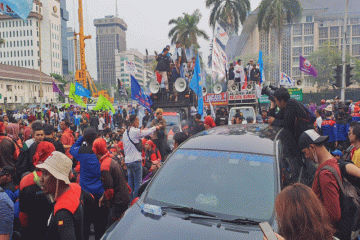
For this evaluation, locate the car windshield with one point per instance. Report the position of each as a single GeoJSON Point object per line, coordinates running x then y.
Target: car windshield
{"type": "Point", "coordinates": [227, 184]}
{"type": "Point", "coordinates": [247, 112]}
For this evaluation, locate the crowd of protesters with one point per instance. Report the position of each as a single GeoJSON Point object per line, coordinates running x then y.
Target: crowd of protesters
{"type": "Point", "coordinates": [85, 168]}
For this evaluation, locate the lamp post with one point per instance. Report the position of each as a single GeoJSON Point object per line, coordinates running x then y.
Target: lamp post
{"type": "Point", "coordinates": [343, 84]}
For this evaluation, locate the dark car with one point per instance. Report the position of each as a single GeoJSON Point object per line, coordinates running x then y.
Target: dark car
{"type": "Point", "coordinates": [219, 184]}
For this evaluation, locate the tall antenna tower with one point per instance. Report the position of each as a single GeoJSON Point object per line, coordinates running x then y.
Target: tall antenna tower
{"type": "Point", "coordinates": [117, 13]}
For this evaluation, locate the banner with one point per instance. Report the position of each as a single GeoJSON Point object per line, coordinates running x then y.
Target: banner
{"type": "Point", "coordinates": [307, 68]}
{"type": "Point", "coordinates": [138, 94]}
{"type": "Point", "coordinates": [16, 8]}
{"type": "Point", "coordinates": [196, 86]}
{"type": "Point", "coordinates": [104, 104]}
{"type": "Point", "coordinates": [221, 35]}
{"type": "Point", "coordinates": [219, 61]}
{"type": "Point", "coordinates": [81, 91]}
{"type": "Point", "coordinates": [285, 80]}
{"type": "Point", "coordinates": [130, 66]}
{"type": "Point", "coordinates": [261, 67]}
{"type": "Point", "coordinates": [57, 89]}
{"type": "Point", "coordinates": [77, 99]}
{"type": "Point", "coordinates": [216, 99]}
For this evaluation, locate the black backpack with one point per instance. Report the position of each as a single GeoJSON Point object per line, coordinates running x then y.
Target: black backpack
{"type": "Point", "coordinates": [24, 162]}
{"type": "Point", "coordinates": [349, 225]}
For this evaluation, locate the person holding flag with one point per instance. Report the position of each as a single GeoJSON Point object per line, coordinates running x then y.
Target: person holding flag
{"type": "Point", "coordinates": [196, 86]}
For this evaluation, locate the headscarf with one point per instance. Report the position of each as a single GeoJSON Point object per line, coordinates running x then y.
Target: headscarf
{"type": "Point", "coordinates": [12, 131]}
{"type": "Point", "coordinates": [152, 144]}
{"type": "Point", "coordinates": [209, 121]}
{"type": "Point", "coordinates": [43, 151]}
{"type": "Point", "coordinates": [121, 145]}
{"type": "Point", "coordinates": [100, 146]}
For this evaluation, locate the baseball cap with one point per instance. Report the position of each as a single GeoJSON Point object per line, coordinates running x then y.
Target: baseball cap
{"type": "Point", "coordinates": [59, 165]}
{"type": "Point", "coordinates": [310, 137]}
{"type": "Point", "coordinates": [337, 152]}
{"type": "Point", "coordinates": [7, 170]}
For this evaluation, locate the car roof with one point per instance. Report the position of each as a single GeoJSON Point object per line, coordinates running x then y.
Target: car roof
{"type": "Point", "coordinates": [249, 138]}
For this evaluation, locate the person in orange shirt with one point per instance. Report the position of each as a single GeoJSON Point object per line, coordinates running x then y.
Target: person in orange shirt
{"type": "Point", "coordinates": [67, 138]}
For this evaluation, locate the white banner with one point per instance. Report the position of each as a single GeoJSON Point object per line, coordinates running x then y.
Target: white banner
{"type": "Point", "coordinates": [219, 61]}
{"type": "Point", "coordinates": [285, 80]}
{"type": "Point", "coordinates": [130, 66]}
{"type": "Point", "coordinates": [220, 34]}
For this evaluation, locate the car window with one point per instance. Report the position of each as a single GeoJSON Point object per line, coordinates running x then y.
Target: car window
{"type": "Point", "coordinates": [247, 112]}
{"type": "Point", "coordinates": [230, 184]}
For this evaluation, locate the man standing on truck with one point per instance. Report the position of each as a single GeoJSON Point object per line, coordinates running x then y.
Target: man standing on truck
{"type": "Point", "coordinates": [239, 73]}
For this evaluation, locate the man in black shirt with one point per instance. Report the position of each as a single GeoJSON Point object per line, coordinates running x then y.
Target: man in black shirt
{"type": "Point", "coordinates": [146, 118]}
{"type": "Point", "coordinates": [291, 114]}
{"type": "Point", "coordinates": [118, 120]}
{"type": "Point", "coordinates": [163, 66]}
{"type": "Point", "coordinates": [231, 72]}
{"type": "Point", "coordinates": [94, 121]}
{"type": "Point", "coordinates": [255, 74]}
{"type": "Point", "coordinates": [199, 125]}
{"type": "Point", "coordinates": [50, 137]}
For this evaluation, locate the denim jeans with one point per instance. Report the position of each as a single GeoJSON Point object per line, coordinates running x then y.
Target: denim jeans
{"type": "Point", "coordinates": [134, 170]}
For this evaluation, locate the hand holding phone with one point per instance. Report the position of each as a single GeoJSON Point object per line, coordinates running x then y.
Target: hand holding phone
{"type": "Point", "coordinates": [267, 231]}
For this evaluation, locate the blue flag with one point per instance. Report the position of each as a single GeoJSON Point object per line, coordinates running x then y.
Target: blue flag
{"type": "Point", "coordinates": [16, 8]}
{"type": "Point", "coordinates": [81, 91]}
{"type": "Point", "coordinates": [138, 94]}
{"type": "Point", "coordinates": [196, 86]}
{"type": "Point", "coordinates": [261, 67]}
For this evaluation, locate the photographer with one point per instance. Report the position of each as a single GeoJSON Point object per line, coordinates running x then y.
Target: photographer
{"type": "Point", "coordinates": [291, 115]}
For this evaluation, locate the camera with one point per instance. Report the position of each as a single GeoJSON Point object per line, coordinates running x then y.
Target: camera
{"type": "Point", "coordinates": [269, 91]}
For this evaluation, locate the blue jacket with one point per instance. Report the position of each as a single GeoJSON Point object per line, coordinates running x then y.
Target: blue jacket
{"type": "Point", "coordinates": [90, 175]}
{"type": "Point", "coordinates": [328, 128]}
{"type": "Point", "coordinates": [355, 117]}
{"type": "Point", "coordinates": [341, 129]}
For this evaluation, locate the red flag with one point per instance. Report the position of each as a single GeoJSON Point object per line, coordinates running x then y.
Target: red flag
{"type": "Point", "coordinates": [158, 77]}
{"type": "Point", "coordinates": [245, 84]}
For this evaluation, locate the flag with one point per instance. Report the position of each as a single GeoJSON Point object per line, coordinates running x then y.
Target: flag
{"type": "Point", "coordinates": [213, 115]}
{"type": "Point", "coordinates": [261, 67]}
{"type": "Point", "coordinates": [219, 60]}
{"type": "Point", "coordinates": [16, 8]}
{"type": "Point", "coordinates": [77, 99]}
{"type": "Point", "coordinates": [158, 77]}
{"type": "Point", "coordinates": [104, 104]}
{"type": "Point", "coordinates": [221, 35]}
{"type": "Point", "coordinates": [285, 80]}
{"type": "Point", "coordinates": [81, 91]}
{"type": "Point", "coordinates": [244, 83]}
{"type": "Point", "coordinates": [56, 89]}
{"type": "Point", "coordinates": [196, 86]}
{"type": "Point", "coordinates": [138, 94]}
{"type": "Point", "coordinates": [307, 68]}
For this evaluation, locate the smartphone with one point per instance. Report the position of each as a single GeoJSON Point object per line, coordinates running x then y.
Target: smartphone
{"type": "Point", "coordinates": [267, 231]}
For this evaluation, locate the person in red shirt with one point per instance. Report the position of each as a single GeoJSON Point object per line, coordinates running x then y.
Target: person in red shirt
{"type": "Point", "coordinates": [67, 138]}
{"type": "Point", "coordinates": [325, 185]}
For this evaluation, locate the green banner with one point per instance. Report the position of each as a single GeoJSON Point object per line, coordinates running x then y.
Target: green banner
{"type": "Point", "coordinates": [294, 93]}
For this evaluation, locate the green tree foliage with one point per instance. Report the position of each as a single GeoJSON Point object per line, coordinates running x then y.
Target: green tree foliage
{"type": "Point", "coordinates": [186, 31]}
{"type": "Point", "coordinates": [230, 12]}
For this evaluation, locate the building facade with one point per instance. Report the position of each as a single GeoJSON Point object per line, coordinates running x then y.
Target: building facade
{"type": "Point", "coordinates": [123, 72]}
{"type": "Point", "coordinates": [321, 21]}
{"type": "Point", "coordinates": [22, 39]}
{"type": "Point", "coordinates": [64, 51]}
{"type": "Point", "coordinates": [110, 36]}
{"type": "Point", "coordinates": [21, 86]}
{"type": "Point", "coordinates": [71, 49]}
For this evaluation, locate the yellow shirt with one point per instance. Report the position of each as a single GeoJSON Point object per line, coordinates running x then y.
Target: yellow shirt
{"type": "Point", "coordinates": [356, 158]}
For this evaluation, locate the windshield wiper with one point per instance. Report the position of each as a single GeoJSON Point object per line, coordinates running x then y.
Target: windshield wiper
{"type": "Point", "coordinates": [241, 221]}
{"type": "Point", "coordinates": [189, 210]}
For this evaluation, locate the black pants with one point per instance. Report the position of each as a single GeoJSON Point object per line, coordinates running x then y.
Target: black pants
{"type": "Point", "coordinates": [237, 81]}
{"type": "Point", "coordinates": [115, 213]}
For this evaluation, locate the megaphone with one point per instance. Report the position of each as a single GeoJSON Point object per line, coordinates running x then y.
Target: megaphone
{"type": "Point", "coordinates": [233, 88]}
{"type": "Point", "coordinates": [217, 88]}
{"type": "Point", "coordinates": [180, 85]}
{"type": "Point", "coordinates": [300, 83]}
{"type": "Point", "coordinates": [204, 90]}
{"type": "Point", "coordinates": [154, 87]}
{"type": "Point", "coordinates": [249, 87]}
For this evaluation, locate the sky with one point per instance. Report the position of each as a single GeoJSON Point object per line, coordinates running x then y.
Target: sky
{"type": "Point", "coordinates": [147, 22]}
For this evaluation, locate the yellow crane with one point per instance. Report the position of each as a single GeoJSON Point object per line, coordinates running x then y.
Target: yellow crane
{"type": "Point", "coordinates": [82, 76]}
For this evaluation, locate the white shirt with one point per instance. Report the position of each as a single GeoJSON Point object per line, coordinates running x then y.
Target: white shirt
{"type": "Point", "coordinates": [61, 116]}
{"type": "Point", "coordinates": [319, 122]}
{"type": "Point", "coordinates": [131, 153]}
{"type": "Point", "coordinates": [101, 124]}
{"type": "Point", "coordinates": [240, 74]}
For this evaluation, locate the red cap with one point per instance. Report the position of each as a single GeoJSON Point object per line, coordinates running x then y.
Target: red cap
{"type": "Point", "coordinates": [43, 151]}
{"type": "Point", "coordinates": [143, 141]}
{"type": "Point", "coordinates": [121, 145]}
{"type": "Point", "coordinates": [151, 143]}
{"type": "Point", "coordinates": [322, 101]}
{"type": "Point", "coordinates": [100, 146]}
{"type": "Point", "coordinates": [356, 109]}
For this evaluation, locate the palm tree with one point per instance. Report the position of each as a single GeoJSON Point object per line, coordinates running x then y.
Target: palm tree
{"type": "Point", "coordinates": [273, 14]}
{"type": "Point", "coordinates": [230, 12]}
{"type": "Point", "coordinates": [186, 31]}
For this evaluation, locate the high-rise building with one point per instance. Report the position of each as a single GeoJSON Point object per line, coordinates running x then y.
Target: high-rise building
{"type": "Point", "coordinates": [22, 38]}
{"type": "Point", "coordinates": [321, 21]}
{"type": "Point", "coordinates": [130, 57]}
{"type": "Point", "coordinates": [110, 36]}
{"type": "Point", "coordinates": [64, 51]}
{"type": "Point", "coordinates": [71, 52]}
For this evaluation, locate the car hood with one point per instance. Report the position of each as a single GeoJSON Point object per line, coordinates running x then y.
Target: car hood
{"type": "Point", "coordinates": [135, 225]}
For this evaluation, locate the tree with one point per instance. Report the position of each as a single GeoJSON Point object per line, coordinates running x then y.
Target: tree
{"type": "Point", "coordinates": [272, 14]}
{"type": "Point", "coordinates": [323, 59]}
{"type": "Point", "coordinates": [61, 79]}
{"type": "Point", "coordinates": [185, 29]}
{"type": "Point", "coordinates": [230, 12]}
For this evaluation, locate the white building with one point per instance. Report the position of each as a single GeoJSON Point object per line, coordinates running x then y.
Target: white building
{"type": "Point", "coordinates": [134, 57]}
{"type": "Point", "coordinates": [21, 86]}
{"type": "Point", "coordinates": [22, 38]}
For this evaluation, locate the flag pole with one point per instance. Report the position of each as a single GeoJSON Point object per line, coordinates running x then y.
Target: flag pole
{"type": "Point", "coordinates": [343, 84]}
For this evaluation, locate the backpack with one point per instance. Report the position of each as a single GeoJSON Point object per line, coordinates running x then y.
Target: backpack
{"type": "Point", "coordinates": [311, 118]}
{"type": "Point", "coordinates": [24, 163]}
{"type": "Point", "coordinates": [349, 225]}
